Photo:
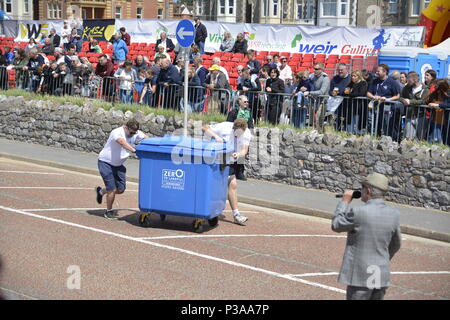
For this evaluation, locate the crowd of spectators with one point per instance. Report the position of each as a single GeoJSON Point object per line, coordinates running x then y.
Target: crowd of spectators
{"type": "Point", "coordinates": [57, 67]}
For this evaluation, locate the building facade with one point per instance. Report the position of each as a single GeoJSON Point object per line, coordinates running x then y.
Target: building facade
{"type": "Point", "coordinates": [18, 9]}
{"type": "Point", "coordinates": [313, 12]}
{"type": "Point", "coordinates": [103, 9]}
{"type": "Point", "coordinates": [390, 12]}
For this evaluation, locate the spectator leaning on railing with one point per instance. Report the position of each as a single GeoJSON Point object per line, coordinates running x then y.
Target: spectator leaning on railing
{"type": "Point", "coordinates": [194, 93]}
{"type": "Point", "coordinates": [274, 86]}
{"type": "Point", "coordinates": [168, 76]}
{"type": "Point", "coordinates": [217, 62]}
{"type": "Point", "coordinates": [253, 63]}
{"type": "Point", "coordinates": [215, 81]}
{"type": "Point", "coordinates": [149, 88]}
{"type": "Point", "coordinates": [20, 61]}
{"type": "Point", "coordinates": [320, 81]}
{"type": "Point", "coordinates": [304, 84]}
{"type": "Point", "coordinates": [105, 69]}
{"type": "Point", "coordinates": [382, 89]}
{"type": "Point", "coordinates": [9, 56]}
{"type": "Point", "coordinates": [412, 96]}
{"type": "Point", "coordinates": [48, 47]}
{"type": "Point", "coordinates": [127, 76]}
{"type": "Point", "coordinates": [355, 110]}
{"type": "Point", "coordinates": [437, 98]}
{"type": "Point", "coordinates": [249, 87]}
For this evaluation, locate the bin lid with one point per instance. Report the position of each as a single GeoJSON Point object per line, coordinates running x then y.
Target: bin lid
{"type": "Point", "coordinates": [169, 141]}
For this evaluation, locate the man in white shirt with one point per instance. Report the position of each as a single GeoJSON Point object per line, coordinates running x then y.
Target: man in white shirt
{"type": "Point", "coordinates": [238, 134]}
{"type": "Point", "coordinates": [115, 152]}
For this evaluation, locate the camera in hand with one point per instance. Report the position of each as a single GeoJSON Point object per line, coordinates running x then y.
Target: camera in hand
{"type": "Point", "coordinates": [356, 195]}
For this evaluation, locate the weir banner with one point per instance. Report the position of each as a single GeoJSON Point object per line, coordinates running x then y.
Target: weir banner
{"type": "Point", "coordinates": [280, 38]}
{"type": "Point", "coordinates": [284, 38]}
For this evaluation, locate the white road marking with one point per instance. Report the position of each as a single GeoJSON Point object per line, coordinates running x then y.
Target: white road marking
{"type": "Point", "coordinates": [32, 172]}
{"type": "Point", "coordinates": [244, 235]}
{"type": "Point", "coordinates": [320, 274]}
{"type": "Point", "coordinates": [192, 253]}
{"type": "Point", "coordinates": [57, 188]}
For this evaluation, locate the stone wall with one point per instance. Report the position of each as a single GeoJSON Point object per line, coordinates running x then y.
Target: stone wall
{"type": "Point", "coordinates": [419, 175]}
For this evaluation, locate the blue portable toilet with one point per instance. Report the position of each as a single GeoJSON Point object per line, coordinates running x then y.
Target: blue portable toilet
{"type": "Point", "coordinates": [183, 176]}
{"type": "Point", "coordinates": [406, 59]}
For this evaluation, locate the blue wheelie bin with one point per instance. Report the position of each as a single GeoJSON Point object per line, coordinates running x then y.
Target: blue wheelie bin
{"type": "Point", "coordinates": [183, 176]}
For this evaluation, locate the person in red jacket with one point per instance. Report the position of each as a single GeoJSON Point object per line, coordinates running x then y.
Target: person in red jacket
{"type": "Point", "coordinates": [125, 36]}
{"type": "Point", "coordinates": [105, 70]}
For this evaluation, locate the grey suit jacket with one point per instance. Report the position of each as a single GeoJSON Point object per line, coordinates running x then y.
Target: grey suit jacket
{"type": "Point", "coordinates": [372, 240]}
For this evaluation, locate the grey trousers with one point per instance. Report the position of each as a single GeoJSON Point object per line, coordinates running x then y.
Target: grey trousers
{"type": "Point", "coordinates": [362, 293]}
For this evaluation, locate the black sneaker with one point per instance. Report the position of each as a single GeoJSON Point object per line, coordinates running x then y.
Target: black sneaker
{"type": "Point", "coordinates": [99, 195]}
{"type": "Point", "coordinates": [110, 214]}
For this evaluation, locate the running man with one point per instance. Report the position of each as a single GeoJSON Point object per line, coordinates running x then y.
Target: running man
{"type": "Point", "coordinates": [236, 132]}
{"type": "Point", "coordinates": [117, 149]}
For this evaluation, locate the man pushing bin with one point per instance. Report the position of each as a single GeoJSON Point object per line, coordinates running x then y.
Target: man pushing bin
{"type": "Point", "coordinates": [120, 144]}
{"type": "Point", "coordinates": [236, 133]}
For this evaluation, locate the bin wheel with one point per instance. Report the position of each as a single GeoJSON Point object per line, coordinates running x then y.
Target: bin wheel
{"type": "Point", "coordinates": [213, 222]}
{"type": "Point", "coordinates": [198, 225]}
{"type": "Point", "coordinates": [144, 220]}
{"type": "Point", "coordinates": [162, 217]}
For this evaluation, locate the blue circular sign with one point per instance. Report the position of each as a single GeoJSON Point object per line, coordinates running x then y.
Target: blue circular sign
{"type": "Point", "coordinates": [185, 33]}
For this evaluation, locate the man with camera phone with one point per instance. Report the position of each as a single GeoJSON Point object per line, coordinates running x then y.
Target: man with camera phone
{"type": "Point", "coordinates": [373, 238]}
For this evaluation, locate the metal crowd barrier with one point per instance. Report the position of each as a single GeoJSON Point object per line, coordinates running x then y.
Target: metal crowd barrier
{"type": "Point", "coordinates": [358, 115]}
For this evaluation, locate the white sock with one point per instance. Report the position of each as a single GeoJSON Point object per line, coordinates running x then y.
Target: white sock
{"type": "Point", "coordinates": [236, 212]}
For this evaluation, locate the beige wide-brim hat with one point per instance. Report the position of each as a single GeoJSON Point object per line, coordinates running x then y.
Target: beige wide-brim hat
{"type": "Point", "coordinates": [376, 180]}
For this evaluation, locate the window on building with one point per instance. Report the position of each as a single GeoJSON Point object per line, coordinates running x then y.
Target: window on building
{"type": "Point", "coordinates": [415, 8]}
{"type": "Point", "coordinates": [426, 3]}
{"type": "Point", "coordinates": [264, 6]}
{"type": "Point", "coordinates": [329, 8]}
{"type": "Point", "coordinates": [230, 6]}
{"type": "Point", "coordinates": [275, 7]}
{"type": "Point", "coordinates": [199, 7]}
{"type": "Point", "coordinates": [118, 12]}
{"type": "Point", "coordinates": [343, 7]}
{"type": "Point", "coordinates": [393, 6]}
{"type": "Point", "coordinates": [50, 11]}
{"type": "Point", "coordinates": [26, 6]}
{"type": "Point", "coordinates": [160, 13]}
{"type": "Point", "coordinates": [305, 9]}
{"type": "Point", "coordinates": [138, 13]}
{"type": "Point", "coordinates": [8, 6]}
{"type": "Point", "coordinates": [58, 11]}
{"type": "Point", "coordinates": [222, 7]}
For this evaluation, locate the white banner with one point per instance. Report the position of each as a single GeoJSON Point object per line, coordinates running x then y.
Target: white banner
{"type": "Point", "coordinates": [33, 28]}
{"type": "Point", "coordinates": [283, 38]}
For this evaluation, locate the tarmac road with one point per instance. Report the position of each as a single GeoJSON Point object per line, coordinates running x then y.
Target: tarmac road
{"type": "Point", "coordinates": [51, 227]}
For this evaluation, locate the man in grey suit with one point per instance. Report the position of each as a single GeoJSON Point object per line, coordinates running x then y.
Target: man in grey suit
{"type": "Point", "coordinates": [372, 240]}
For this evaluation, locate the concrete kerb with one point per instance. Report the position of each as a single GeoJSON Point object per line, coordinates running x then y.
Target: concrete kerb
{"type": "Point", "coordinates": [406, 229]}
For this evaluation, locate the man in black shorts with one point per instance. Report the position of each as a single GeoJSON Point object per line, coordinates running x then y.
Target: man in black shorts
{"type": "Point", "coordinates": [238, 134]}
